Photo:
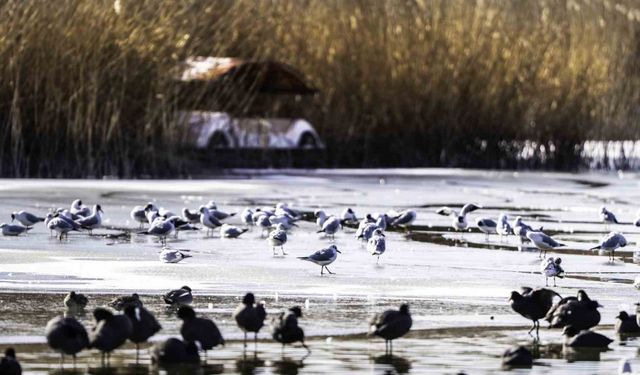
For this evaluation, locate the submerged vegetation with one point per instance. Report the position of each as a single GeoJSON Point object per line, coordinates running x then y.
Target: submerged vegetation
{"type": "Point", "coordinates": [87, 87]}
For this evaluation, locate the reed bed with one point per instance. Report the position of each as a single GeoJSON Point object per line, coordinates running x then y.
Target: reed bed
{"type": "Point", "coordinates": [87, 87]}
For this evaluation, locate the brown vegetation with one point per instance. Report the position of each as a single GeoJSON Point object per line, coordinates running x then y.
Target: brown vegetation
{"type": "Point", "coordinates": [86, 87]}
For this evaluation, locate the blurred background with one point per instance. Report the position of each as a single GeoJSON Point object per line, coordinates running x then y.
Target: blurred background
{"type": "Point", "coordinates": [134, 88]}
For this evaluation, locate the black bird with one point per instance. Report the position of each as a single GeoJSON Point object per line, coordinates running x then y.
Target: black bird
{"type": "Point", "coordinates": [533, 304]}
{"type": "Point", "coordinates": [518, 357]}
{"type": "Point", "coordinates": [175, 351]}
{"type": "Point", "coordinates": [67, 336]}
{"type": "Point", "coordinates": [285, 329]}
{"type": "Point", "coordinates": [75, 301]}
{"type": "Point", "coordinates": [626, 324]}
{"type": "Point", "coordinates": [580, 312]}
{"type": "Point", "coordinates": [585, 339]}
{"type": "Point", "coordinates": [9, 364]}
{"type": "Point", "coordinates": [110, 331]}
{"type": "Point", "coordinates": [391, 324]}
{"type": "Point", "coordinates": [120, 302]}
{"type": "Point", "coordinates": [202, 330]}
{"type": "Point", "coordinates": [144, 325]}
{"type": "Point", "coordinates": [250, 317]}
{"type": "Point", "coordinates": [180, 296]}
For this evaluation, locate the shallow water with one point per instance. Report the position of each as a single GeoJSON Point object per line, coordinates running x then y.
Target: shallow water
{"type": "Point", "coordinates": [456, 283]}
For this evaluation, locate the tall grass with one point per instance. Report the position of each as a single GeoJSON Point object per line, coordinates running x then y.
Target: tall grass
{"type": "Point", "coordinates": [86, 87]}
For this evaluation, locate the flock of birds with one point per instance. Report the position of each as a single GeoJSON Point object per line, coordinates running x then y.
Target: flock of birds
{"type": "Point", "coordinates": [576, 315]}
{"type": "Point", "coordinates": [275, 221]}
{"type": "Point", "coordinates": [133, 322]}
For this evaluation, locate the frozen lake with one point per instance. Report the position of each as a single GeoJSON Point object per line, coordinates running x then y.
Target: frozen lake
{"type": "Point", "coordinates": [457, 283]}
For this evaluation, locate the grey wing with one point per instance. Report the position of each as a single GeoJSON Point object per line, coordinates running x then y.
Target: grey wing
{"type": "Point", "coordinates": [378, 243]}
{"type": "Point", "coordinates": [279, 235]}
{"type": "Point", "coordinates": [613, 241]}
{"type": "Point", "coordinates": [32, 218]}
{"type": "Point", "coordinates": [549, 241]}
{"type": "Point", "coordinates": [322, 255]}
{"type": "Point", "coordinates": [170, 255]}
{"type": "Point", "coordinates": [89, 220]}
{"type": "Point", "coordinates": [160, 228]}
{"type": "Point", "coordinates": [489, 223]}
{"type": "Point", "coordinates": [405, 217]}
{"type": "Point", "coordinates": [469, 207]}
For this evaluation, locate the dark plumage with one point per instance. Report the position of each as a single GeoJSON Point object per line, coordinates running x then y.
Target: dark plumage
{"type": "Point", "coordinates": [202, 330]}
{"type": "Point", "coordinates": [532, 304]}
{"type": "Point", "coordinates": [175, 351]}
{"type": "Point", "coordinates": [66, 335]}
{"type": "Point", "coordinates": [180, 296]}
{"type": "Point", "coordinates": [585, 339]}
{"type": "Point", "coordinates": [250, 317]}
{"type": "Point", "coordinates": [519, 357]}
{"type": "Point", "coordinates": [9, 364]}
{"type": "Point", "coordinates": [391, 324]}
{"type": "Point", "coordinates": [75, 301]}
{"type": "Point", "coordinates": [143, 324]}
{"type": "Point", "coordinates": [120, 302]}
{"type": "Point", "coordinates": [626, 324]}
{"type": "Point", "coordinates": [580, 312]}
{"type": "Point", "coordinates": [285, 328]}
{"type": "Point", "coordinates": [110, 331]}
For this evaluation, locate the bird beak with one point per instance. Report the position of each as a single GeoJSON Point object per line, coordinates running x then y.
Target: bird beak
{"type": "Point", "coordinates": [339, 251]}
{"type": "Point", "coordinates": [382, 234]}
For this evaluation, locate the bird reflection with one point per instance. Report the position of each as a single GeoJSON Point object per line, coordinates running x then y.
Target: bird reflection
{"type": "Point", "coordinates": [287, 366]}
{"type": "Point", "coordinates": [247, 365]}
{"type": "Point", "coordinates": [582, 354]}
{"type": "Point", "coordinates": [400, 365]}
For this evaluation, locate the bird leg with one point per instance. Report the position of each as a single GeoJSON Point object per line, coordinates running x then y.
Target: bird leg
{"type": "Point", "coordinates": [304, 346]}
{"type": "Point", "coordinates": [546, 281]}
{"type": "Point", "coordinates": [274, 251]}
{"type": "Point", "coordinates": [282, 248]}
{"type": "Point", "coordinates": [137, 351]}
{"type": "Point", "coordinates": [322, 270]}
{"type": "Point", "coordinates": [554, 281]}
{"type": "Point", "coordinates": [391, 347]}
{"type": "Point", "coordinates": [328, 270]}
{"type": "Point", "coordinates": [245, 339]}
{"type": "Point", "coordinates": [377, 260]}
{"type": "Point", "coordinates": [255, 342]}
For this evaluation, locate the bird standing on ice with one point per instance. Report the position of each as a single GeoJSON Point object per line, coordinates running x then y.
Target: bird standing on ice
{"type": "Point", "coordinates": [377, 243]}
{"type": "Point", "coordinates": [277, 238]}
{"type": "Point", "coordinates": [543, 242]}
{"type": "Point", "coordinates": [551, 268]}
{"type": "Point", "coordinates": [610, 243]}
{"type": "Point", "coordinates": [459, 220]}
{"type": "Point", "coordinates": [323, 258]}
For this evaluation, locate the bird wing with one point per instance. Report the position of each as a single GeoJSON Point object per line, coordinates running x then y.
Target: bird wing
{"type": "Point", "coordinates": [613, 241]}
{"type": "Point", "coordinates": [548, 240]}
{"type": "Point", "coordinates": [469, 207]}
{"type": "Point", "coordinates": [322, 255]}
{"type": "Point", "coordinates": [32, 218]}
{"type": "Point", "coordinates": [279, 235]}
